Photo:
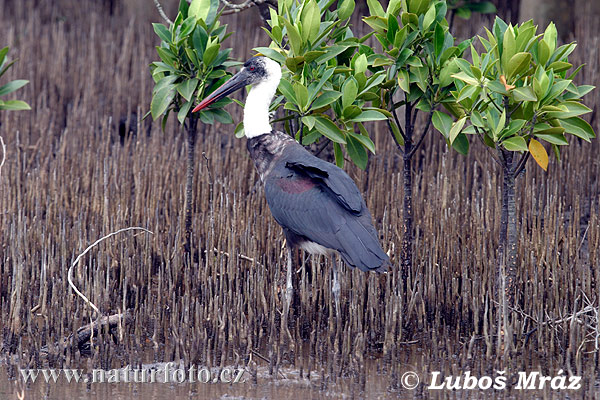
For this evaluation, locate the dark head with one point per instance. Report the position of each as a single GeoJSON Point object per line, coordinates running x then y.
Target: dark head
{"type": "Point", "coordinates": [255, 71]}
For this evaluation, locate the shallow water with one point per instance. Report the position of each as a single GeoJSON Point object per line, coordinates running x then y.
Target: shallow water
{"type": "Point", "coordinates": [287, 384]}
{"type": "Point", "coordinates": [414, 380]}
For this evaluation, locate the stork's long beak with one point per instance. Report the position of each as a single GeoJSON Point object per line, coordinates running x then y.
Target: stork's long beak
{"type": "Point", "coordinates": [236, 82]}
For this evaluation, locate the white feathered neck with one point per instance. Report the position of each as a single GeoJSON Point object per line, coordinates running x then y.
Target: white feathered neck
{"type": "Point", "coordinates": [256, 110]}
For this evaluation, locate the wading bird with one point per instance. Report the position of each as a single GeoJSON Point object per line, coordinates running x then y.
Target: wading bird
{"type": "Point", "coordinates": [316, 203]}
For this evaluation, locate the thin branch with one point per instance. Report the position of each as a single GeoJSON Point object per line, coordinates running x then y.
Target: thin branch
{"type": "Point", "coordinates": [239, 7]}
{"type": "Point", "coordinates": [161, 12]}
{"type": "Point", "coordinates": [70, 273]}
{"type": "Point", "coordinates": [493, 102]}
{"type": "Point", "coordinates": [323, 146]}
{"type": "Point", "coordinates": [510, 113]}
{"type": "Point", "coordinates": [425, 131]}
{"type": "Point", "coordinates": [480, 136]}
{"type": "Point", "coordinates": [413, 121]}
{"type": "Point", "coordinates": [525, 157]}
{"type": "Point", "coordinates": [393, 109]}
{"type": "Point", "coordinates": [521, 164]}
{"type": "Point", "coordinates": [398, 124]}
{"type": "Point", "coordinates": [394, 136]}
{"type": "Point", "coordinates": [236, 8]}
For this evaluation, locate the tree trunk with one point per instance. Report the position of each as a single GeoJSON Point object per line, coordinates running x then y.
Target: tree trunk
{"type": "Point", "coordinates": [507, 252]}
{"type": "Point", "coordinates": [191, 131]}
{"type": "Point", "coordinates": [407, 240]}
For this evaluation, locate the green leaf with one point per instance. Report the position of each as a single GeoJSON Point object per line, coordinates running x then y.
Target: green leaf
{"type": "Point", "coordinates": [403, 79]}
{"type": "Point", "coordinates": [378, 24]}
{"type": "Point", "coordinates": [396, 132]}
{"type": "Point", "coordinates": [271, 53]}
{"type": "Point", "coordinates": [578, 127]}
{"type": "Point", "coordinates": [162, 32]}
{"type": "Point", "coordinates": [294, 37]}
{"type": "Point", "coordinates": [461, 144]}
{"type": "Point", "coordinates": [351, 111]}
{"type": "Point", "coordinates": [288, 91]}
{"type": "Point", "coordinates": [524, 93]}
{"type": "Point", "coordinates": [311, 20]}
{"type": "Point", "coordinates": [518, 64]}
{"type": "Point", "coordinates": [438, 40]}
{"type": "Point", "coordinates": [360, 64]}
{"type": "Point", "coordinates": [515, 143]}
{"type": "Point", "coordinates": [442, 122]}
{"type": "Point", "coordinates": [394, 7]}
{"type": "Point", "coordinates": [311, 137]}
{"type": "Point", "coordinates": [166, 55]}
{"type": "Point", "coordinates": [199, 9]}
{"type": "Point", "coordinates": [183, 111]}
{"type": "Point", "coordinates": [500, 126]}
{"type": "Point", "coordinates": [210, 54]}
{"type": "Point", "coordinates": [14, 105]}
{"type": "Point", "coordinates": [509, 48]}
{"type": "Point", "coordinates": [468, 92]}
{"type": "Point", "coordinates": [186, 88]}
{"type": "Point", "coordinates": [301, 93]}
{"type": "Point", "coordinates": [349, 92]}
{"type": "Point", "coordinates": [222, 116]}
{"type": "Point", "coordinates": [466, 78]}
{"type": "Point", "coordinates": [550, 36]}
{"type": "Point", "coordinates": [12, 86]}
{"type": "Point", "coordinates": [345, 9]}
{"type": "Point", "coordinates": [329, 129]}
{"type": "Point", "coordinates": [570, 109]}
{"type": "Point", "coordinates": [543, 53]}
{"type": "Point", "coordinates": [560, 66]}
{"type": "Point", "coordinates": [199, 39]}
{"type": "Point", "coordinates": [456, 129]}
{"type": "Point", "coordinates": [325, 98]}
{"type": "Point", "coordinates": [309, 121]}
{"type": "Point", "coordinates": [339, 156]}
{"type": "Point", "coordinates": [183, 8]}
{"type": "Point", "coordinates": [332, 51]}
{"type": "Point", "coordinates": [513, 127]}
{"type": "Point", "coordinates": [356, 151]}
{"type": "Point", "coordinates": [161, 101]}
{"type": "Point", "coordinates": [369, 115]}
{"type": "Point", "coordinates": [375, 8]}
{"type": "Point", "coordinates": [239, 130]}
{"type": "Point", "coordinates": [167, 81]}
{"type": "Point", "coordinates": [3, 53]}
{"type": "Point", "coordinates": [186, 28]}
{"type": "Point", "coordinates": [294, 63]}
{"type": "Point", "coordinates": [5, 66]}
{"type": "Point", "coordinates": [364, 138]}
{"type": "Point", "coordinates": [554, 138]}
{"type": "Point", "coordinates": [429, 16]}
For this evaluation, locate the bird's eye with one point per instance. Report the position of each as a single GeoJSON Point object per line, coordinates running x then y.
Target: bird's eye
{"type": "Point", "coordinates": [251, 68]}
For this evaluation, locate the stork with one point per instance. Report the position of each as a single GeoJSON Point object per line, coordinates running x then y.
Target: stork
{"type": "Point", "coordinates": [316, 203]}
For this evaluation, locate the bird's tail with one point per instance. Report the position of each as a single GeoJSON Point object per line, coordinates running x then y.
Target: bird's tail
{"type": "Point", "coordinates": [361, 247]}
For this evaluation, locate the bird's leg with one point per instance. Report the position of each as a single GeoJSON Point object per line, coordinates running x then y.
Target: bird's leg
{"type": "Point", "coordinates": [289, 288]}
{"type": "Point", "coordinates": [289, 291]}
{"type": "Point", "coordinates": [336, 287]}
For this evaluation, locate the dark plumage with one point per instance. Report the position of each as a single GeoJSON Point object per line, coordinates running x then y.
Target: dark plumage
{"type": "Point", "coordinates": [316, 202]}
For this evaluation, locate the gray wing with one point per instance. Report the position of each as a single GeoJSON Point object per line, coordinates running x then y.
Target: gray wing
{"type": "Point", "coordinates": [316, 202]}
{"type": "Point", "coordinates": [331, 176]}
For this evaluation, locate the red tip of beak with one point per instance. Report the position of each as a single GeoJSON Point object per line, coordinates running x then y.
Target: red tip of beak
{"type": "Point", "coordinates": [204, 103]}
